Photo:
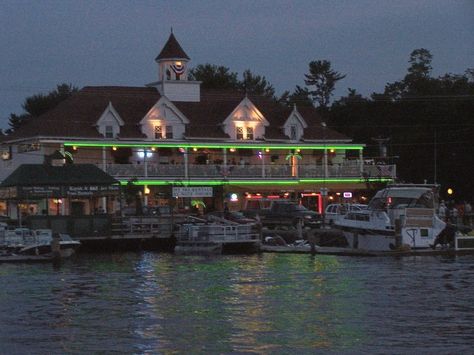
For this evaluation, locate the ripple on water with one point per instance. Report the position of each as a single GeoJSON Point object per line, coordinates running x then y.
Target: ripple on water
{"type": "Point", "coordinates": [152, 302]}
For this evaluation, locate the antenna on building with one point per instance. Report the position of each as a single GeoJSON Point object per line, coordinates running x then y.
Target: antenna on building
{"type": "Point", "coordinates": [382, 142]}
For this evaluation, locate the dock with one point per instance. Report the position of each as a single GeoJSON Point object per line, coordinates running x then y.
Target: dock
{"type": "Point", "coordinates": [290, 249]}
{"type": "Point", "coordinates": [25, 258]}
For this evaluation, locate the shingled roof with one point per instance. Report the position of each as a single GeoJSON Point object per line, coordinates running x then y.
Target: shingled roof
{"type": "Point", "coordinates": [43, 174]}
{"type": "Point", "coordinates": [76, 117]}
{"type": "Point", "coordinates": [172, 50]}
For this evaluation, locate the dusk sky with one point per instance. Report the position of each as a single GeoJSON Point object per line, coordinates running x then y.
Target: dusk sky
{"type": "Point", "coordinates": [44, 43]}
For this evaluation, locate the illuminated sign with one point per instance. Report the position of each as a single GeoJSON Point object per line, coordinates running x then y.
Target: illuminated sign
{"type": "Point", "coordinates": [194, 191]}
{"type": "Point", "coordinates": [347, 194]}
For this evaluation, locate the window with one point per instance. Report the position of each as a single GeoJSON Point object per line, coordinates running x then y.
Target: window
{"type": "Point", "coordinates": [158, 132]}
{"type": "Point", "coordinates": [169, 132]}
{"type": "Point", "coordinates": [240, 133]}
{"type": "Point", "coordinates": [6, 153]}
{"type": "Point", "coordinates": [109, 131]}
{"type": "Point", "coordinates": [293, 131]}
{"type": "Point", "coordinates": [250, 133]}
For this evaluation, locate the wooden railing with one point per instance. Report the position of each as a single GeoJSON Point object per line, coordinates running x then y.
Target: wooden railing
{"type": "Point", "coordinates": [149, 170]}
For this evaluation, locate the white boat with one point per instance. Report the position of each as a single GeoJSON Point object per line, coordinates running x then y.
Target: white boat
{"type": "Point", "coordinates": [398, 217]}
{"type": "Point", "coordinates": [24, 241]}
{"type": "Point", "coordinates": [198, 236]}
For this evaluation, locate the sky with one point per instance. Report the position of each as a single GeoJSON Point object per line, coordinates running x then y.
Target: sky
{"type": "Point", "coordinates": [45, 43]}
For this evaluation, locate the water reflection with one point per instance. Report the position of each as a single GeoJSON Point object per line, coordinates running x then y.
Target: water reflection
{"type": "Point", "coordinates": [160, 303]}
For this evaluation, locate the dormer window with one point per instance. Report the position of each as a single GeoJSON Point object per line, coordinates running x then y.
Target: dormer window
{"type": "Point", "coordinates": [158, 132]}
{"type": "Point", "coordinates": [293, 132]}
{"type": "Point", "coordinates": [169, 132]}
{"type": "Point", "coordinates": [109, 131]}
{"type": "Point", "coordinates": [249, 133]}
{"type": "Point", "coordinates": [240, 133]}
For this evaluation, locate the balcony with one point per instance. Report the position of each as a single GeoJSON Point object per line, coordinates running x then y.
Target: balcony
{"type": "Point", "coordinates": [349, 169]}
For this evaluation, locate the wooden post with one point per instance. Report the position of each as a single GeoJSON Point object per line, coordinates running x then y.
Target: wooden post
{"type": "Point", "coordinates": [398, 233]}
{"type": "Point", "coordinates": [299, 229]}
{"type": "Point", "coordinates": [55, 247]}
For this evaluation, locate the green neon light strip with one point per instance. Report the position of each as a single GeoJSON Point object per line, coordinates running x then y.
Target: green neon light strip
{"type": "Point", "coordinates": [210, 145]}
{"type": "Point", "coordinates": [252, 182]}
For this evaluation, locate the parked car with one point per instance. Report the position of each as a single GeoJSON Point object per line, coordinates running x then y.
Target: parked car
{"type": "Point", "coordinates": [231, 216]}
{"type": "Point", "coordinates": [334, 211]}
{"type": "Point", "coordinates": [285, 213]}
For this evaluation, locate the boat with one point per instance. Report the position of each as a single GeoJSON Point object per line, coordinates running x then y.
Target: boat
{"type": "Point", "coordinates": [400, 216]}
{"type": "Point", "coordinates": [200, 236]}
{"type": "Point", "coordinates": [24, 241]}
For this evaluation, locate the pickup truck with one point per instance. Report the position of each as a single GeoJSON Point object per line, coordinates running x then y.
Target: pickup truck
{"type": "Point", "coordinates": [285, 213]}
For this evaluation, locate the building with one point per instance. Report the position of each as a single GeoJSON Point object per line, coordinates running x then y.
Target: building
{"type": "Point", "coordinates": [182, 143]}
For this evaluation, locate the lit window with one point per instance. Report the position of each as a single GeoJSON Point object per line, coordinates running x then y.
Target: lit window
{"type": "Point", "coordinates": [240, 133]}
{"type": "Point", "coordinates": [6, 153]}
{"type": "Point", "coordinates": [109, 132]}
{"type": "Point", "coordinates": [250, 133]}
{"type": "Point", "coordinates": [169, 132]}
{"type": "Point", "coordinates": [158, 132]}
{"type": "Point", "coordinates": [293, 132]}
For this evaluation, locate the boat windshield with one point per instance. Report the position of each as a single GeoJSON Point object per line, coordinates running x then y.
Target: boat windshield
{"type": "Point", "coordinates": [402, 198]}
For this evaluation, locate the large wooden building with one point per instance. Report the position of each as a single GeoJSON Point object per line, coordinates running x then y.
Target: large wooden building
{"type": "Point", "coordinates": [182, 142]}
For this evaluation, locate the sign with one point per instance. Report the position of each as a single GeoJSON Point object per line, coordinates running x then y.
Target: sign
{"type": "Point", "coordinates": [195, 191]}
{"type": "Point", "coordinates": [347, 194]}
{"type": "Point", "coordinates": [324, 191]}
{"type": "Point", "coordinates": [39, 191]}
{"type": "Point", "coordinates": [89, 190]}
{"type": "Point", "coordinates": [48, 191]}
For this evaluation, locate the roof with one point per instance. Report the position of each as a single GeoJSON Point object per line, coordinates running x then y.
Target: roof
{"type": "Point", "coordinates": [73, 174]}
{"type": "Point", "coordinates": [77, 116]}
{"type": "Point", "coordinates": [172, 50]}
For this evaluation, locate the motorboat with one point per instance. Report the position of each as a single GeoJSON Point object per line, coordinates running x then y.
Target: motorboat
{"type": "Point", "coordinates": [25, 241]}
{"type": "Point", "coordinates": [398, 217]}
{"type": "Point", "coordinates": [200, 236]}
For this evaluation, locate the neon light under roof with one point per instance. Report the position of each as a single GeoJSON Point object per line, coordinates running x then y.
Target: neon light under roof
{"type": "Point", "coordinates": [243, 145]}
{"type": "Point", "coordinates": [253, 182]}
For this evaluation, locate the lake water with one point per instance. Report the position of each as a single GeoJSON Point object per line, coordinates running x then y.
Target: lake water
{"type": "Point", "coordinates": [151, 303]}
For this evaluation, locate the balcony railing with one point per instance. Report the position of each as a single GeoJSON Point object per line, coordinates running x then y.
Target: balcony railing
{"type": "Point", "coordinates": [247, 171]}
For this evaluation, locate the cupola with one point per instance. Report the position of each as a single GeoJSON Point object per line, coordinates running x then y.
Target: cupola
{"type": "Point", "coordinates": [173, 73]}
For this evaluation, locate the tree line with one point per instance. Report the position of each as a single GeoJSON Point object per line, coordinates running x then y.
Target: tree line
{"type": "Point", "coordinates": [426, 121]}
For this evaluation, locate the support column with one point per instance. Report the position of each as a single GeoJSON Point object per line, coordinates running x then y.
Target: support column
{"type": "Point", "coordinates": [104, 159]}
{"type": "Point", "coordinates": [224, 157]}
{"type": "Point", "coordinates": [103, 200]}
{"type": "Point", "coordinates": [326, 171]}
{"type": "Point", "coordinates": [263, 162]}
{"type": "Point", "coordinates": [186, 164]}
{"type": "Point", "coordinates": [145, 172]}
{"type": "Point", "coordinates": [361, 159]}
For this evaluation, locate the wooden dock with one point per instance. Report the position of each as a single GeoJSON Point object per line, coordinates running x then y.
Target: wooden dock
{"type": "Point", "coordinates": [359, 252]}
{"type": "Point", "coordinates": [25, 258]}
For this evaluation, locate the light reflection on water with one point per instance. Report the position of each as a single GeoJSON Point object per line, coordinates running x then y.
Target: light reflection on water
{"type": "Point", "coordinates": [160, 303]}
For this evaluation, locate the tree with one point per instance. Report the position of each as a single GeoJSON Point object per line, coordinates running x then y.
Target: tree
{"type": "Point", "coordinates": [38, 104]}
{"type": "Point", "coordinates": [214, 77]}
{"type": "Point", "coordinates": [256, 85]}
{"type": "Point", "coordinates": [417, 81]}
{"type": "Point", "coordinates": [323, 79]}
{"type": "Point", "coordinates": [420, 64]}
{"type": "Point", "coordinates": [352, 97]}
{"type": "Point", "coordinates": [299, 97]}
